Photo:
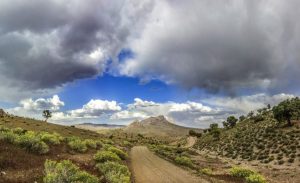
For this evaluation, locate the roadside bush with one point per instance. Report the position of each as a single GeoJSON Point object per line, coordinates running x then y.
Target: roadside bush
{"type": "Point", "coordinates": [127, 143]}
{"type": "Point", "coordinates": [249, 175]}
{"type": "Point", "coordinates": [241, 172]}
{"type": "Point", "coordinates": [114, 172]}
{"type": "Point", "coordinates": [255, 178]}
{"type": "Point", "coordinates": [103, 156]}
{"type": "Point", "coordinates": [123, 155]}
{"type": "Point", "coordinates": [185, 161]}
{"type": "Point", "coordinates": [66, 172]}
{"type": "Point", "coordinates": [78, 145]}
{"type": "Point", "coordinates": [206, 171]}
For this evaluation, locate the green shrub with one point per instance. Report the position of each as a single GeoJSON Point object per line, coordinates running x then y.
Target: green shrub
{"type": "Point", "coordinates": [99, 144]}
{"type": "Point", "coordinates": [255, 178]}
{"type": "Point", "coordinates": [249, 175]}
{"type": "Point", "coordinates": [49, 138]}
{"type": "Point", "coordinates": [66, 172]}
{"type": "Point", "coordinates": [114, 172]}
{"type": "Point", "coordinates": [78, 145]}
{"type": "Point", "coordinates": [185, 161]}
{"type": "Point", "coordinates": [127, 143]}
{"type": "Point", "coordinates": [18, 131]}
{"type": "Point", "coordinates": [32, 143]}
{"type": "Point", "coordinates": [91, 143]}
{"type": "Point", "coordinates": [206, 171]}
{"type": "Point", "coordinates": [8, 136]}
{"type": "Point", "coordinates": [103, 156]}
{"type": "Point", "coordinates": [123, 155]}
{"type": "Point", "coordinates": [240, 172]}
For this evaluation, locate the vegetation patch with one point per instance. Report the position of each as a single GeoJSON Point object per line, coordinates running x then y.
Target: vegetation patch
{"type": "Point", "coordinates": [77, 145]}
{"type": "Point", "coordinates": [206, 171]}
{"type": "Point", "coordinates": [114, 172]}
{"type": "Point", "coordinates": [123, 155]}
{"type": "Point", "coordinates": [249, 175]}
{"type": "Point", "coordinates": [183, 160]}
{"type": "Point", "coordinates": [103, 156]}
{"type": "Point", "coordinates": [66, 171]}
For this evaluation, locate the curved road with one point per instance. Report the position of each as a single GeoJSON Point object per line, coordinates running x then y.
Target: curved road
{"type": "Point", "coordinates": [149, 168]}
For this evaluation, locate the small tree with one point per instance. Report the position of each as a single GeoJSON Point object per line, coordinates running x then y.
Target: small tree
{"type": "Point", "coordinates": [47, 114]}
{"type": "Point", "coordinates": [242, 118]}
{"type": "Point", "coordinates": [194, 133]}
{"type": "Point", "coordinates": [214, 130]}
{"type": "Point", "coordinates": [287, 109]}
{"type": "Point", "coordinates": [250, 114]}
{"type": "Point", "coordinates": [231, 120]}
{"type": "Point", "coordinates": [225, 124]}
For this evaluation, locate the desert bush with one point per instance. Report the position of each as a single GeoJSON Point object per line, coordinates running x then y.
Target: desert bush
{"type": "Point", "coordinates": [114, 172]}
{"type": "Point", "coordinates": [66, 172]}
{"type": "Point", "coordinates": [103, 156]}
{"type": "Point", "coordinates": [28, 140]}
{"type": "Point", "coordinates": [32, 143]}
{"type": "Point", "coordinates": [194, 133]}
{"type": "Point", "coordinates": [291, 160]}
{"type": "Point", "coordinates": [183, 160]}
{"type": "Point", "coordinates": [123, 155]}
{"type": "Point", "coordinates": [49, 138]}
{"type": "Point", "coordinates": [240, 172]}
{"type": "Point", "coordinates": [78, 145]}
{"type": "Point", "coordinates": [91, 143]}
{"type": "Point", "coordinates": [8, 136]}
{"type": "Point", "coordinates": [255, 178]}
{"type": "Point", "coordinates": [18, 131]}
{"type": "Point", "coordinates": [127, 143]}
{"type": "Point", "coordinates": [249, 175]}
{"type": "Point", "coordinates": [206, 171]}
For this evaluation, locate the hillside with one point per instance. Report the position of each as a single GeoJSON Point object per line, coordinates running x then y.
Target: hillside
{"type": "Point", "coordinates": [158, 126]}
{"type": "Point", "coordinates": [36, 151]}
{"type": "Point", "coordinates": [259, 141]}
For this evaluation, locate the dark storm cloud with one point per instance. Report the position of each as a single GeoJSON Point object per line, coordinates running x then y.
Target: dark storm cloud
{"type": "Point", "coordinates": [219, 45]}
{"type": "Point", "coordinates": [45, 44]}
{"type": "Point", "coordinates": [216, 45]}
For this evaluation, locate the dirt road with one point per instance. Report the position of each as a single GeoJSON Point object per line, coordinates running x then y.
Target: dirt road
{"type": "Point", "coordinates": [149, 168]}
{"type": "Point", "coordinates": [190, 142]}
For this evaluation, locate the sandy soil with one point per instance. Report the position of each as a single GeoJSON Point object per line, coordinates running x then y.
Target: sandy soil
{"type": "Point", "coordinates": [149, 168]}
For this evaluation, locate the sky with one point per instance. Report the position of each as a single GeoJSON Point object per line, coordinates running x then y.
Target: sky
{"type": "Point", "coordinates": [195, 62]}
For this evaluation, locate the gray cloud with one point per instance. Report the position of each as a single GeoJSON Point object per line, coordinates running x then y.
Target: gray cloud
{"type": "Point", "coordinates": [216, 45]}
{"type": "Point", "coordinates": [219, 45]}
{"type": "Point", "coordinates": [46, 44]}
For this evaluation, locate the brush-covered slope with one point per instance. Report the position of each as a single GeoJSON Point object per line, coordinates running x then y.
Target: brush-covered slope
{"type": "Point", "coordinates": [11, 121]}
{"type": "Point", "coordinates": [158, 126]}
{"type": "Point", "coordinates": [260, 139]}
{"type": "Point", "coordinates": [36, 151]}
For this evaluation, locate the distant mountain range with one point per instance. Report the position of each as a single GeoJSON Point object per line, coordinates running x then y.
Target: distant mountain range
{"type": "Point", "coordinates": [91, 125]}
{"type": "Point", "coordinates": [158, 126]}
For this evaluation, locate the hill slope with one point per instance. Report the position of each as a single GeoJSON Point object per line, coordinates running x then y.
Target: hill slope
{"type": "Point", "coordinates": [26, 145]}
{"type": "Point", "coordinates": [258, 142]}
{"type": "Point", "coordinates": [158, 126]}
